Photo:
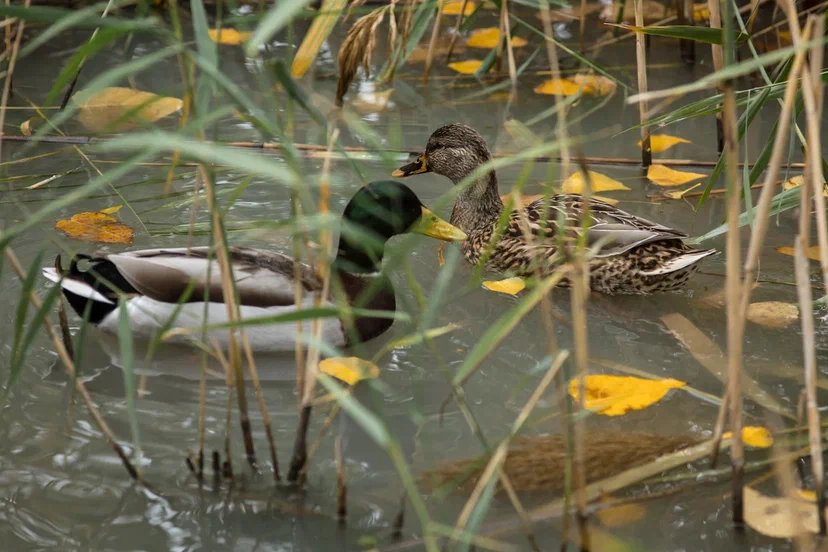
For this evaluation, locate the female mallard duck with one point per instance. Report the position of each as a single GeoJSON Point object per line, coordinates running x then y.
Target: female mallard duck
{"type": "Point", "coordinates": [637, 256]}
{"type": "Point", "coordinates": [155, 281]}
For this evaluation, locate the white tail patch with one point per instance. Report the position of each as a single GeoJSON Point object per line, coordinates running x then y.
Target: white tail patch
{"type": "Point", "coordinates": [75, 286]}
{"type": "Point", "coordinates": [679, 262]}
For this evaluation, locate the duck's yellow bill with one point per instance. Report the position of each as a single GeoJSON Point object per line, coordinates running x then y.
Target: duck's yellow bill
{"type": "Point", "coordinates": [435, 227]}
{"type": "Point", "coordinates": [417, 167]}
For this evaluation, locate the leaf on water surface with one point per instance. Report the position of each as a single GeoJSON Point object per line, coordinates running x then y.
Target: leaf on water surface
{"type": "Point", "coordinates": [754, 436]}
{"type": "Point", "coordinates": [524, 199]}
{"type": "Point", "coordinates": [98, 227]}
{"type": "Point", "coordinates": [453, 7]}
{"type": "Point", "coordinates": [509, 286]}
{"type": "Point", "coordinates": [466, 67]}
{"type": "Point", "coordinates": [372, 102]}
{"type": "Point", "coordinates": [26, 126]}
{"type": "Point", "coordinates": [678, 194]}
{"type": "Point", "coordinates": [665, 176]}
{"type": "Point", "coordinates": [773, 314]}
{"type": "Point", "coordinates": [780, 517]}
{"type": "Point", "coordinates": [99, 111]}
{"type": "Point", "coordinates": [795, 182]}
{"type": "Point", "coordinates": [489, 37]}
{"type": "Point", "coordinates": [701, 13]}
{"type": "Point", "coordinates": [616, 395]}
{"type": "Point", "coordinates": [663, 142]}
{"type": "Point", "coordinates": [349, 369]}
{"type": "Point", "coordinates": [420, 53]}
{"type": "Point", "coordinates": [598, 183]}
{"type": "Point", "coordinates": [595, 85]}
{"type": "Point", "coordinates": [230, 37]}
{"type": "Point", "coordinates": [653, 11]}
{"type": "Point", "coordinates": [812, 252]}
{"type": "Point", "coordinates": [621, 515]}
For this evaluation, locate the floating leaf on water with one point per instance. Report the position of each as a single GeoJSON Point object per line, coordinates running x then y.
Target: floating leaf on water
{"type": "Point", "coordinates": [773, 314]}
{"type": "Point", "coordinates": [598, 183]}
{"type": "Point", "coordinates": [466, 67]}
{"type": "Point", "coordinates": [597, 85]}
{"type": "Point", "coordinates": [509, 286]}
{"type": "Point", "coordinates": [812, 252]}
{"type": "Point", "coordinates": [701, 13]}
{"type": "Point", "coordinates": [98, 227]}
{"type": "Point", "coordinates": [621, 515]}
{"type": "Point", "coordinates": [372, 102]}
{"type": "Point", "coordinates": [663, 142]}
{"type": "Point", "coordinates": [230, 37]}
{"type": "Point", "coordinates": [112, 210]}
{"type": "Point", "coordinates": [349, 369]}
{"type": "Point", "coordinates": [665, 176]}
{"type": "Point", "coordinates": [26, 126]}
{"type": "Point", "coordinates": [780, 517]}
{"type": "Point", "coordinates": [489, 37]}
{"type": "Point", "coordinates": [562, 87]}
{"type": "Point", "coordinates": [420, 53]}
{"type": "Point", "coordinates": [99, 111]}
{"type": "Point", "coordinates": [796, 181]}
{"type": "Point", "coordinates": [453, 7]}
{"type": "Point", "coordinates": [754, 436]}
{"type": "Point", "coordinates": [616, 395]}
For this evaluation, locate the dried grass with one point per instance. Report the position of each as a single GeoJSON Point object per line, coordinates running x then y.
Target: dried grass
{"type": "Point", "coordinates": [358, 46]}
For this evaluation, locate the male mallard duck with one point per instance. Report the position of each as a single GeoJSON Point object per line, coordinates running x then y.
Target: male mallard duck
{"type": "Point", "coordinates": [154, 280]}
{"type": "Point", "coordinates": [638, 256]}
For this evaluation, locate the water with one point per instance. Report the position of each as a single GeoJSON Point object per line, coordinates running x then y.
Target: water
{"type": "Point", "coordinates": [63, 487]}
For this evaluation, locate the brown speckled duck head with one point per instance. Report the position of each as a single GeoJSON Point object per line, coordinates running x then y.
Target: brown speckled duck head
{"type": "Point", "coordinates": [453, 151]}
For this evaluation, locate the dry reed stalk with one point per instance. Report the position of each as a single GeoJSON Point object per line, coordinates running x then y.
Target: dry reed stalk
{"type": "Point", "coordinates": [9, 74]}
{"type": "Point", "coordinates": [494, 465]}
{"type": "Point", "coordinates": [687, 48]}
{"type": "Point", "coordinates": [341, 484]}
{"type": "Point", "coordinates": [329, 419]}
{"type": "Point", "coordinates": [455, 34]}
{"type": "Point", "coordinates": [399, 519]}
{"type": "Point", "coordinates": [202, 415]}
{"type": "Point", "coordinates": [357, 48]}
{"type": "Point", "coordinates": [228, 413]}
{"type": "Point", "coordinates": [735, 325]}
{"type": "Point", "coordinates": [510, 51]}
{"type": "Point", "coordinates": [812, 95]}
{"type": "Point", "coordinates": [65, 334]}
{"type": "Point", "coordinates": [718, 63]}
{"type": "Point", "coordinates": [229, 296]}
{"type": "Point", "coordinates": [254, 377]}
{"type": "Point", "coordinates": [69, 364]}
{"type": "Point", "coordinates": [311, 367]}
{"type": "Point", "coordinates": [406, 21]}
{"type": "Point", "coordinates": [435, 31]}
{"type": "Point", "coordinates": [641, 64]}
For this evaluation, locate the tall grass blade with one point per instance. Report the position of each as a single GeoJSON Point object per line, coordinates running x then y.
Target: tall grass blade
{"type": "Point", "coordinates": [319, 30]}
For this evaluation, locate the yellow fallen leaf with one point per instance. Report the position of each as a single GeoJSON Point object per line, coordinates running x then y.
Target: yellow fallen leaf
{"type": "Point", "coordinates": [524, 199]}
{"type": "Point", "coordinates": [618, 516]}
{"type": "Point", "coordinates": [753, 436]}
{"type": "Point", "coordinates": [96, 227]}
{"type": "Point", "coordinates": [26, 126]}
{"type": "Point", "coordinates": [112, 210]}
{"type": "Point", "coordinates": [107, 109]}
{"type": "Point", "coordinates": [349, 369]}
{"type": "Point", "coordinates": [453, 7]}
{"type": "Point", "coordinates": [780, 517]}
{"type": "Point", "coordinates": [597, 85]}
{"type": "Point", "coordinates": [807, 494]}
{"type": "Point", "coordinates": [489, 37]}
{"type": "Point", "coordinates": [812, 252]}
{"type": "Point", "coordinates": [678, 194]}
{"type": "Point", "coordinates": [784, 36]}
{"type": "Point", "coordinates": [510, 286]}
{"type": "Point", "coordinates": [773, 314]}
{"type": "Point", "coordinates": [663, 142]}
{"type": "Point", "coordinates": [610, 200]}
{"type": "Point", "coordinates": [665, 176]}
{"type": "Point", "coordinates": [587, 84]}
{"type": "Point", "coordinates": [466, 67]}
{"type": "Point", "coordinates": [616, 395]}
{"type": "Point", "coordinates": [231, 37]}
{"type": "Point", "coordinates": [598, 183]}
{"type": "Point", "coordinates": [701, 13]}
{"type": "Point", "coordinates": [795, 182]}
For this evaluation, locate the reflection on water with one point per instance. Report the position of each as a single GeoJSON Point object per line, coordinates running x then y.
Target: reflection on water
{"type": "Point", "coordinates": [63, 487]}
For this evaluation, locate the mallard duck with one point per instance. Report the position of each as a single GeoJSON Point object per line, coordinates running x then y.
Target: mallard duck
{"type": "Point", "coordinates": [154, 280]}
{"type": "Point", "coordinates": [636, 256]}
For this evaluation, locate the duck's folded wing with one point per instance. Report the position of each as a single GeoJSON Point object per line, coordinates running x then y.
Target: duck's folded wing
{"type": "Point", "coordinates": [262, 279]}
{"type": "Point", "coordinates": [616, 239]}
